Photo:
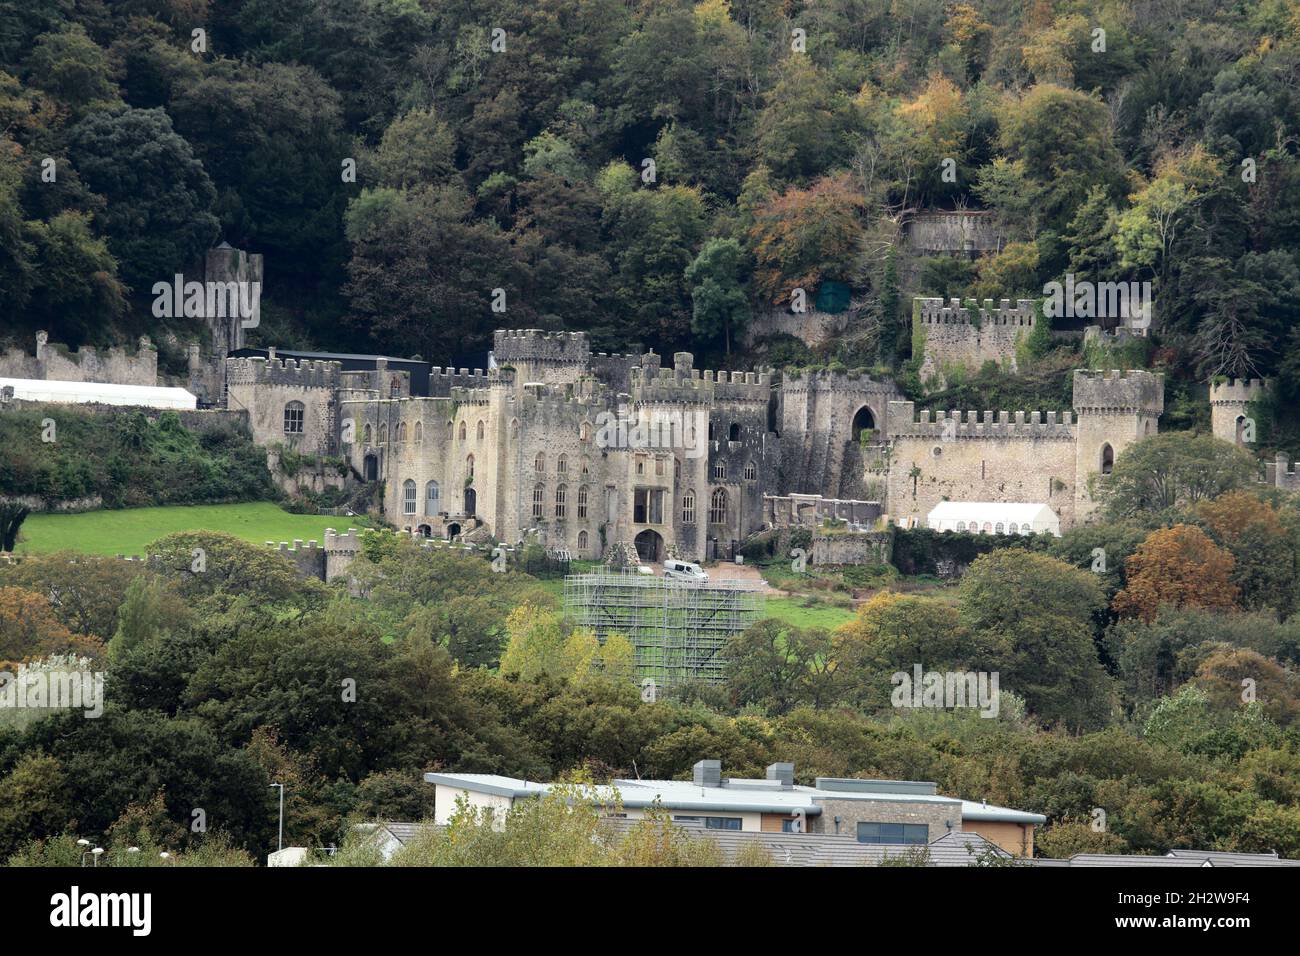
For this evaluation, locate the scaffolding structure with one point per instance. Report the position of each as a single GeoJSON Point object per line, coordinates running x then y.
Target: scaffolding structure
{"type": "Point", "coordinates": [678, 628]}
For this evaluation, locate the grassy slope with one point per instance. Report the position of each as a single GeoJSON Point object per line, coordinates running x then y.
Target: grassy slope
{"type": "Point", "coordinates": [128, 531]}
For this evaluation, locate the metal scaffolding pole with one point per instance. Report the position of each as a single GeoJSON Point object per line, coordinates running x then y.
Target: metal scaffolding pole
{"type": "Point", "coordinates": [677, 628]}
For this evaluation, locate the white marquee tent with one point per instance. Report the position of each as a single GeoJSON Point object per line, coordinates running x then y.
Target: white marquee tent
{"type": "Point", "coordinates": [995, 517]}
{"type": "Point", "coordinates": [98, 393]}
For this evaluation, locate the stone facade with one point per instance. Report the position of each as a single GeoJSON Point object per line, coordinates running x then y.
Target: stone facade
{"type": "Point", "coordinates": [843, 816]}
{"type": "Point", "coordinates": [963, 232]}
{"type": "Point", "coordinates": [1026, 456]}
{"type": "Point", "coordinates": [1229, 403]}
{"type": "Point", "coordinates": [957, 335]}
{"type": "Point", "coordinates": [53, 363]}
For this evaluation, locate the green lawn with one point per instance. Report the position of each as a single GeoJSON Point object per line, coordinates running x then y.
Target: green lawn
{"type": "Point", "coordinates": [128, 531]}
{"type": "Point", "coordinates": [792, 611]}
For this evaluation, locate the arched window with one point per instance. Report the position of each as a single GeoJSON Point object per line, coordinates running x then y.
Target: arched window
{"type": "Point", "coordinates": [751, 471]}
{"type": "Point", "coordinates": [367, 435]}
{"type": "Point", "coordinates": [462, 431]}
{"type": "Point", "coordinates": [480, 431]}
{"type": "Point", "coordinates": [719, 471]}
{"type": "Point", "coordinates": [561, 501]}
{"type": "Point", "coordinates": [562, 465]}
{"type": "Point", "coordinates": [293, 413]}
{"type": "Point", "coordinates": [584, 431]}
{"type": "Point", "coordinates": [677, 469]}
{"type": "Point", "coordinates": [419, 431]}
{"type": "Point", "coordinates": [999, 528]}
{"type": "Point", "coordinates": [718, 506]}
{"type": "Point", "coordinates": [539, 495]}
{"type": "Point", "coordinates": [961, 526]}
{"type": "Point", "coordinates": [401, 431]}
{"type": "Point", "coordinates": [408, 497]}
{"type": "Point", "coordinates": [431, 498]}
{"type": "Point", "coordinates": [586, 466]}
{"type": "Point", "coordinates": [395, 387]}
{"type": "Point", "coordinates": [539, 463]}
{"type": "Point", "coordinates": [710, 431]}
{"type": "Point", "coordinates": [451, 431]}
{"type": "Point", "coordinates": [582, 541]}
{"type": "Point", "coordinates": [1107, 459]}
{"type": "Point", "coordinates": [1013, 528]}
{"type": "Point", "coordinates": [514, 428]}
{"type": "Point", "coordinates": [469, 467]}
{"type": "Point", "coordinates": [733, 433]}
{"type": "Point", "coordinates": [383, 434]}
{"type": "Point", "coordinates": [688, 507]}
{"type": "Point", "coordinates": [988, 527]}
{"type": "Point", "coordinates": [582, 501]}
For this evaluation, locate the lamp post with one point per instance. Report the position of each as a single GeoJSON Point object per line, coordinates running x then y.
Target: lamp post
{"type": "Point", "coordinates": [280, 841]}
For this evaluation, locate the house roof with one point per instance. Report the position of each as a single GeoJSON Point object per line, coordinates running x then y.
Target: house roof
{"type": "Point", "coordinates": [99, 393]}
{"type": "Point", "coordinates": [746, 796]}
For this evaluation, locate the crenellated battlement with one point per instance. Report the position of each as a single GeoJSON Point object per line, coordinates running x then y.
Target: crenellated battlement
{"type": "Point", "coordinates": [854, 380]}
{"type": "Point", "coordinates": [906, 422]}
{"type": "Point", "coordinates": [304, 373]}
{"type": "Point", "coordinates": [687, 385]}
{"type": "Point", "coordinates": [1134, 391]}
{"type": "Point", "coordinates": [535, 345]}
{"type": "Point", "coordinates": [935, 311]}
{"type": "Point", "coordinates": [1238, 391]}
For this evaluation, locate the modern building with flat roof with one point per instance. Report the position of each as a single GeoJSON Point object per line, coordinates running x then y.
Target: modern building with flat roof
{"type": "Point", "coordinates": [878, 812]}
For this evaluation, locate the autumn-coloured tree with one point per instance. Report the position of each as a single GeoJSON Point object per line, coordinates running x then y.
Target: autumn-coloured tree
{"type": "Point", "coordinates": [804, 236]}
{"type": "Point", "coordinates": [1180, 567]}
{"type": "Point", "coordinates": [29, 629]}
{"type": "Point", "coordinates": [1234, 676]}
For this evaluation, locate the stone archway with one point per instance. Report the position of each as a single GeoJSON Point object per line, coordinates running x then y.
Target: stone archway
{"type": "Point", "coordinates": [864, 420]}
{"type": "Point", "coordinates": [453, 531]}
{"type": "Point", "coordinates": [471, 500]}
{"type": "Point", "coordinates": [650, 546]}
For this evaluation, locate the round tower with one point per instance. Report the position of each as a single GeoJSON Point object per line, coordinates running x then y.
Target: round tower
{"type": "Point", "coordinates": [1229, 401]}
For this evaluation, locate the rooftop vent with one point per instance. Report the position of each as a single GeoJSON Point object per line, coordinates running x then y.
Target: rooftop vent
{"type": "Point", "coordinates": [783, 772]}
{"type": "Point", "coordinates": [708, 773]}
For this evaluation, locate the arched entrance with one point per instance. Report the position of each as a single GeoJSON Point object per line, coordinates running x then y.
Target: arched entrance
{"type": "Point", "coordinates": [471, 500]}
{"type": "Point", "coordinates": [425, 531]}
{"type": "Point", "coordinates": [863, 421]}
{"type": "Point", "coordinates": [650, 546]}
{"type": "Point", "coordinates": [371, 467]}
{"type": "Point", "coordinates": [453, 531]}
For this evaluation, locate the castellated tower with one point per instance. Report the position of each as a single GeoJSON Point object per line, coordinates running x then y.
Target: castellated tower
{"type": "Point", "coordinates": [1228, 406]}
{"type": "Point", "coordinates": [968, 334]}
{"type": "Point", "coordinates": [556, 358]}
{"type": "Point", "coordinates": [1114, 409]}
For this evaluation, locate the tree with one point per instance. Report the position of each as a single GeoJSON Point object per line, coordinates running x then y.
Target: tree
{"type": "Point", "coordinates": [1046, 611]}
{"type": "Point", "coordinates": [70, 66]}
{"type": "Point", "coordinates": [536, 646]}
{"type": "Point", "coordinates": [158, 218]}
{"type": "Point", "coordinates": [718, 292]}
{"type": "Point", "coordinates": [30, 630]}
{"type": "Point", "coordinates": [1178, 567]}
{"type": "Point", "coordinates": [803, 125]}
{"type": "Point", "coordinates": [1173, 469]}
{"type": "Point", "coordinates": [12, 516]}
{"type": "Point", "coordinates": [416, 149]}
{"type": "Point", "coordinates": [422, 270]}
{"type": "Point", "coordinates": [804, 236]}
{"type": "Point", "coordinates": [779, 667]}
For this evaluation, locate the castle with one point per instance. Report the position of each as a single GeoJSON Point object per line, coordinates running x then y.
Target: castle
{"type": "Point", "coordinates": [585, 451]}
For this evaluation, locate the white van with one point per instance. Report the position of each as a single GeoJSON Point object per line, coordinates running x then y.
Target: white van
{"type": "Point", "coordinates": [684, 571]}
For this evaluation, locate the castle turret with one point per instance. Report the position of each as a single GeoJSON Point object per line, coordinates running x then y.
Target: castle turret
{"type": "Point", "coordinates": [1114, 409]}
{"type": "Point", "coordinates": [1229, 408]}
{"type": "Point", "coordinates": [557, 357]}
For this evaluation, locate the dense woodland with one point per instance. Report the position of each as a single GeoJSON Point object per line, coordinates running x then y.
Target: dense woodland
{"type": "Point", "coordinates": [780, 160]}
{"type": "Point", "coordinates": [507, 145]}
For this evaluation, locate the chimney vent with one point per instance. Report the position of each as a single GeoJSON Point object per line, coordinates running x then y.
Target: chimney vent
{"type": "Point", "coordinates": [708, 773]}
{"type": "Point", "coordinates": [784, 772]}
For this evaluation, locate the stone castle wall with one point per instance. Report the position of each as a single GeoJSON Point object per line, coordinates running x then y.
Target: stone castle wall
{"type": "Point", "coordinates": [54, 363]}
{"type": "Point", "coordinates": [957, 335]}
